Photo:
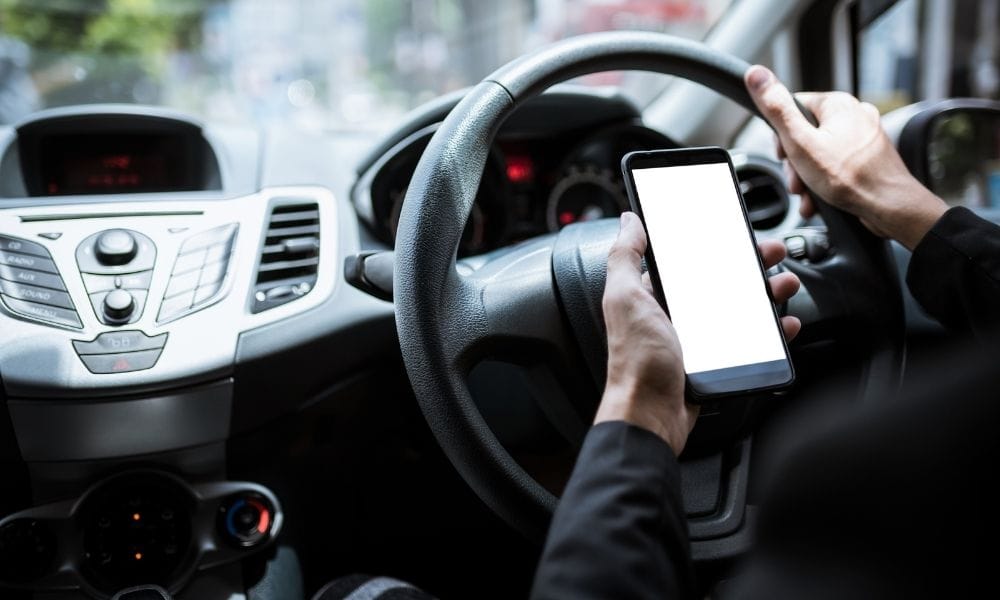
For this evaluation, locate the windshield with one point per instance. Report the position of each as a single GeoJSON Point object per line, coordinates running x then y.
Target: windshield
{"type": "Point", "coordinates": [320, 64]}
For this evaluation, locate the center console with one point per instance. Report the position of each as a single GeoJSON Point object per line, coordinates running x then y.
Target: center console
{"type": "Point", "coordinates": [129, 271]}
{"type": "Point", "coordinates": [138, 527]}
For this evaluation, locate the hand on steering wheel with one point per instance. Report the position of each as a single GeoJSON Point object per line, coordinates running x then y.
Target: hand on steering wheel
{"type": "Point", "coordinates": [847, 159]}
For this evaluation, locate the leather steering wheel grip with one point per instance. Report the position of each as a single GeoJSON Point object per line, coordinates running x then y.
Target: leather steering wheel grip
{"type": "Point", "coordinates": [437, 312]}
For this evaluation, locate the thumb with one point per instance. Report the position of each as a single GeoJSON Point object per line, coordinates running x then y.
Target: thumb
{"type": "Point", "coordinates": [776, 104]}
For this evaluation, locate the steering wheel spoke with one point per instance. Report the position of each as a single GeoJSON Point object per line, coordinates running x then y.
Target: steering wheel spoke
{"type": "Point", "coordinates": [520, 312]}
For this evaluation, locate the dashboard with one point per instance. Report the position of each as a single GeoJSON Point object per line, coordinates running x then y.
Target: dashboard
{"type": "Point", "coordinates": [154, 273]}
{"type": "Point", "coordinates": [168, 287]}
{"type": "Point", "coordinates": [545, 173]}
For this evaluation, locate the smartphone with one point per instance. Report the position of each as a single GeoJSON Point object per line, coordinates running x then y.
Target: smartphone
{"type": "Point", "coordinates": [704, 263]}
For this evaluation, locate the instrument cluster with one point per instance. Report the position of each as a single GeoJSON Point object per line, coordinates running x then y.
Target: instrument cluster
{"type": "Point", "coordinates": [533, 183]}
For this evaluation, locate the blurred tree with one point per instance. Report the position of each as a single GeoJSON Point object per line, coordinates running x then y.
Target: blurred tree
{"type": "Point", "coordinates": [104, 50]}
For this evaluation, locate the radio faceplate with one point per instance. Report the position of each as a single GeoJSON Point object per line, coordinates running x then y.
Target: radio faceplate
{"type": "Point", "coordinates": [135, 295]}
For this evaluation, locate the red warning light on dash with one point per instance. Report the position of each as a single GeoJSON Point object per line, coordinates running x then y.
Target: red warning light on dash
{"type": "Point", "coordinates": [520, 169]}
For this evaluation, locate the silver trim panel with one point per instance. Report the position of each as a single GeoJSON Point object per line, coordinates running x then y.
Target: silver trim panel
{"type": "Point", "coordinates": [38, 360]}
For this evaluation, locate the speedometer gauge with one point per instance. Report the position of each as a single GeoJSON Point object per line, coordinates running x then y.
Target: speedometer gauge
{"type": "Point", "coordinates": [585, 193]}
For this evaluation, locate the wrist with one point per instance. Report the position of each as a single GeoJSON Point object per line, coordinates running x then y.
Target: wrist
{"type": "Point", "coordinates": [903, 210]}
{"type": "Point", "coordinates": [646, 410]}
{"type": "Point", "coordinates": [914, 214]}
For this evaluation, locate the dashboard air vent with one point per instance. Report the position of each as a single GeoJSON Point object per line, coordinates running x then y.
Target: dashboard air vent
{"type": "Point", "coordinates": [289, 259]}
{"type": "Point", "coordinates": [765, 196]}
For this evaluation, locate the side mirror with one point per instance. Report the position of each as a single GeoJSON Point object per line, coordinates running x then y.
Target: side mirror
{"type": "Point", "coordinates": [953, 147]}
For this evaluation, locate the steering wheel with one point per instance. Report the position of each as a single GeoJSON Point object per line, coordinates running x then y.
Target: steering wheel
{"type": "Point", "coordinates": [543, 296]}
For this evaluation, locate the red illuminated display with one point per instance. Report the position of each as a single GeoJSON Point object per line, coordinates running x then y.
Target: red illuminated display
{"type": "Point", "coordinates": [520, 169]}
{"type": "Point", "coordinates": [110, 172]}
{"type": "Point", "coordinates": [123, 163]}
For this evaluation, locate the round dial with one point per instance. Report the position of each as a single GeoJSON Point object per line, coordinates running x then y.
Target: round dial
{"type": "Point", "coordinates": [115, 247]}
{"type": "Point", "coordinates": [118, 305]}
{"type": "Point", "coordinates": [585, 193]}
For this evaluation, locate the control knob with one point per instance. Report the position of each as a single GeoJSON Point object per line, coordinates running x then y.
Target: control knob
{"type": "Point", "coordinates": [118, 305]}
{"type": "Point", "coordinates": [115, 247]}
{"type": "Point", "coordinates": [246, 519]}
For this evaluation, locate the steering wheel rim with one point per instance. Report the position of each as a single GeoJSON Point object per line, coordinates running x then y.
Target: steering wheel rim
{"type": "Point", "coordinates": [440, 314]}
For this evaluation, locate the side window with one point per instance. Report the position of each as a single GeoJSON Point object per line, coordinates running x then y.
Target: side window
{"type": "Point", "coordinates": [888, 57]}
{"type": "Point", "coordinates": [930, 49]}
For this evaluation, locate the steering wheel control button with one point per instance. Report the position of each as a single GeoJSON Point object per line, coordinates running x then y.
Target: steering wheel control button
{"type": "Point", "coordinates": [9, 244]}
{"type": "Point", "coordinates": [27, 261]}
{"type": "Point", "coordinates": [115, 252]}
{"type": "Point", "coordinates": [246, 519]}
{"type": "Point", "coordinates": [796, 246]}
{"type": "Point", "coordinates": [118, 307]}
{"type": "Point", "coordinates": [808, 244]}
{"type": "Point", "coordinates": [115, 247]}
{"type": "Point", "coordinates": [113, 342]}
{"type": "Point", "coordinates": [42, 312]}
{"type": "Point", "coordinates": [122, 362]}
{"type": "Point", "coordinates": [199, 272]}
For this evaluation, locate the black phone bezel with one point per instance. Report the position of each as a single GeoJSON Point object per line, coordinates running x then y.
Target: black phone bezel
{"type": "Point", "coordinates": [645, 159]}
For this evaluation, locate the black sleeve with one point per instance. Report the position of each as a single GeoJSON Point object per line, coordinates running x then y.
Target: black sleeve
{"type": "Point", "coordinates": [619, 531]}
{"type": "Point", "coordinates": [955, 273]}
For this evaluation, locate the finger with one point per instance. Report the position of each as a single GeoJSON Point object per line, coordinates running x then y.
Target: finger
{"type": "Point", "coordinates": [811, 100]}
{"type": "Point", "coordinates": [776, 104]}
{"type": "Point", "coordinates": [772, 252]}
{"type": "Point", "coordinates": [625, 256]}
{"type": "Point", "coordinates": [824, 105]}
{"type": "Point", "coordinates": [807, 208]}
{"type": "Point", "coordinates": [647, 282]}
{"type": "Point", "coordinates": [791, 326]}
{"type": "Point", "coordinates": [784, 286]}
{"type": "Point", "coordinates": [779, 149]}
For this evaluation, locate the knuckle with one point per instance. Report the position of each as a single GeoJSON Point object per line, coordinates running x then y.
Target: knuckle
{"type": "Point", "coordinates": [617, 252]}
{"type": "Point", "coordinates": [840, 97]}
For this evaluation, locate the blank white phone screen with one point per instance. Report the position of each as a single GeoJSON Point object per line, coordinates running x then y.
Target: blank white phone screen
{"type": "Point", "coordinates": [708, 267]}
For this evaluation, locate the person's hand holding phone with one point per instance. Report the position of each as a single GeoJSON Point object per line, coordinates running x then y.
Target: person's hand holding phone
{"type": "Point", "coordinates": [848, 159]}
{"type": "Point", "coordinates": [645, 385]}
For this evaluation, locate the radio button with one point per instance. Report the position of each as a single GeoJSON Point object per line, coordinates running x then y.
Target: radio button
{"type": "Point", "coordinates": [127, 281]}
{"type": "Point", "coordinates": [122, 362]}
{"type": "Point", "coordinates": [115, 247]}
{"type": "Point", "coordinates": [27, 261]}
{"type": "Point", "coordinates": [112, 342]}
{"type": "Point", "coordinates": [43, 312]}
{"type": "Point", "coordinates": [31, 293]}
{"type": "Point", "coordinates": [30, 277]}
{"type": "Point", "coordinates": [22, 246]}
